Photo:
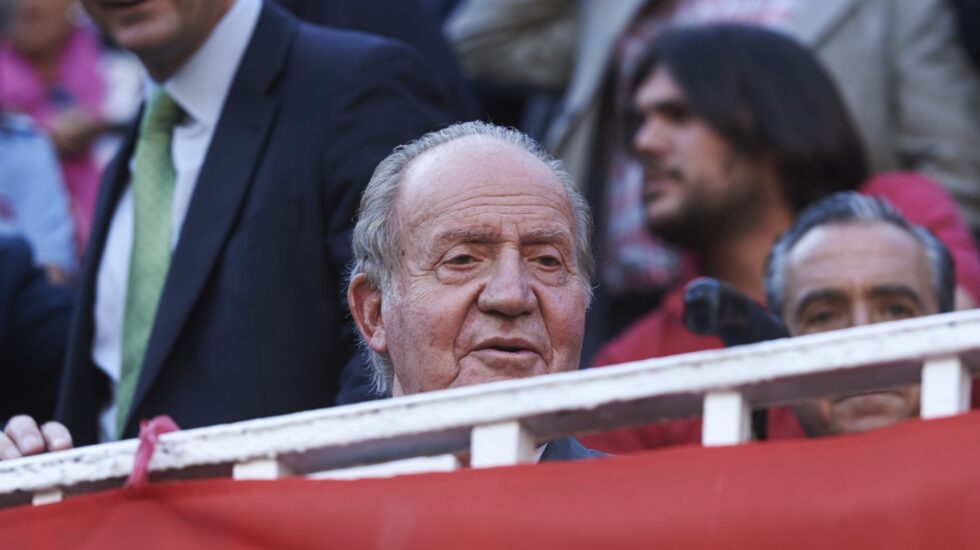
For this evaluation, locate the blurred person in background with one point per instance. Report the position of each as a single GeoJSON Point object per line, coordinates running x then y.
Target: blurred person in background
{"type": "Point", "coordinates": [34, 319]}
{"type": "Point", "coordinates": [968, 20]}
{"type": "Point", "coordinates": [852, 260]}
{"type": "Point", "coordinates": [413, 22]}
{"type": "Point", "coordinates": [903, 76]}
{"type": "Point", "coordinates": [738, 129]}
{"type": "Point", "coordinates": [33, 200]}
{"type": "Point", "coordinates": [49, 70]}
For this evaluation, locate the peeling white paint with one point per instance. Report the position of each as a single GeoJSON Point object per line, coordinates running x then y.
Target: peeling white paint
{"type": "Point", "coordinates": [548, 406]}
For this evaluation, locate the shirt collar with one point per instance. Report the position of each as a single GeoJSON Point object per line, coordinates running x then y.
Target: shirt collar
{"type": "Point", "coordinates": [202, 83]}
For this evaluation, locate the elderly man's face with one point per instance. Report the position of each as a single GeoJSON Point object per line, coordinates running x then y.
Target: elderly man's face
{"type": "Point", "coordinates": [845, 275]}
{"type": "Point", "coordinates": [695, 185]}
{"type": "Point", "coordinates": [489, 286]}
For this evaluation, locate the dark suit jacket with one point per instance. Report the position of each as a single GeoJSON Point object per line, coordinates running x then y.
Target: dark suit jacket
{"type": "Point", "coordinates": [34, 317]}
{"type": "Point", "coordinates": [252, 321]}
{"type": "Point", "coordinates": [410, 21]}
{"type": "Point", "coordinates": [568, 448]}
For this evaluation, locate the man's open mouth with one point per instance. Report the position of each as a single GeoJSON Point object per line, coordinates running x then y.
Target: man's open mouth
{"type": "Point", "coordinates": [507, 345]}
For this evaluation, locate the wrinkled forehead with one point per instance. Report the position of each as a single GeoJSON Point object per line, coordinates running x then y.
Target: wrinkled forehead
{"type": "Point", "coordinates": [482, 176]}
{"type": "Point", "coordinates": [856, 252]}
{"type": "Point", "coordinates": [848, 239]}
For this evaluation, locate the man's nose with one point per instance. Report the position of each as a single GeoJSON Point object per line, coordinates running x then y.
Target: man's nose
{"type": "Point", "coordinates": [652, 138]}
{"type": "Point", "coordinates": [508, 291]}
{"type": "Point", "coordinates": [861, 315]}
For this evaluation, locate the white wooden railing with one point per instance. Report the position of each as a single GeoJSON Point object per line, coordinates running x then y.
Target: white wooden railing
{"type": "Point", "coordinates": [502, 423]}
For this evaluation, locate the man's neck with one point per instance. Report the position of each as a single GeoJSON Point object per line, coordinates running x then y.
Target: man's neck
{"type": "Point", "coordinates": [740, 259]}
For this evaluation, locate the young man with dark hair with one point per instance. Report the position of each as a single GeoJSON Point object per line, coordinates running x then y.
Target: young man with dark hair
{"type": "Point", "coordinates": [737, 129]}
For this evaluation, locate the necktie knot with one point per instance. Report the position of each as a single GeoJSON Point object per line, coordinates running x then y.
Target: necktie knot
{"type": "Point", "coordinates": [161, 115]}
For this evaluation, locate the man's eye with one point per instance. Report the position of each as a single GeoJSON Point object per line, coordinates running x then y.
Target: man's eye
{"type": "Point", "coordinates": [898, 311]}
{"type": "Point", "coordinates": [462, 259]}
{"type": "Point", "coordinates": [548, 261]}
{"type": "Point", "coordinates": [676, 113]}
{"type": "Point", "coordinates": [823, 317]}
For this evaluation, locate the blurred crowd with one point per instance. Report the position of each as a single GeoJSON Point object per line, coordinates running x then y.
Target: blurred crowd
{"type": "Point", "coordinates": [696, 141]}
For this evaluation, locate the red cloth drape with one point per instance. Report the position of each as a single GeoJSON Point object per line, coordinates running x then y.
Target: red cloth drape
{"type": "Point", "coordinates": [911, 486]}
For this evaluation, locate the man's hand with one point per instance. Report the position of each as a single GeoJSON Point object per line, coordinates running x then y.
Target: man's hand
{"type": "Point", "coordinates": [23, 437]}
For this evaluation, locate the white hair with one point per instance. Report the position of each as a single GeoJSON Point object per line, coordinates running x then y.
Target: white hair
{"type": "Point", "coordinates": [375, 239]}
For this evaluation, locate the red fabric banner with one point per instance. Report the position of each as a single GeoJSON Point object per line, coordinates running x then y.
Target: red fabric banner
{"type": "Point", "coordinates": [912, 486]}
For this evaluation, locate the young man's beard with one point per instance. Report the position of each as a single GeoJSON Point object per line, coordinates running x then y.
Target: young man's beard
{"type": "Point", "coordinates": [705, 220]}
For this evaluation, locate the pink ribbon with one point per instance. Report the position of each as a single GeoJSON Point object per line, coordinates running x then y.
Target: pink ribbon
{"type": "Point", "coordinates": [150, 431]}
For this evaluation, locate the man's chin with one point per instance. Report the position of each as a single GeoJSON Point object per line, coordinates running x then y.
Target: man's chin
{"type": "Point", "coordinates": [861, 413]}
{"type": "Point", "coordinates": [675, 230]}
{"type": "Point", "coordinates": [867, 423]}
{"type": "Point", "coordinates": [670, 219]}
{"type": "Point", "coordinates": [507, 361]}
{"type": "Point", "coordinates": [146, 38]}
{"type": "Point", "coordinates": [482, 368]}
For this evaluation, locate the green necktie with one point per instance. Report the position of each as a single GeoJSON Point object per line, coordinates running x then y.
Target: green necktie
{"type": "Point", "coordinates": [153, 189]}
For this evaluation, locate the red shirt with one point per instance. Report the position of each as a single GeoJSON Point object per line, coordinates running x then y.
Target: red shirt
{"type": "Point", "coordinates": [659, 334]}
{"type": "Point", "coordinates": [662, 332]}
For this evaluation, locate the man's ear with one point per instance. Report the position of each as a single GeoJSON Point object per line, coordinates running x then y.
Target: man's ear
{"type": "Point", "coordinates": [365, 305]}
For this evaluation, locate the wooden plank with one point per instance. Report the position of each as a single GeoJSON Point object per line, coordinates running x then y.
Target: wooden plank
{"type": "Point", "coordinates": [945, 387]}
{"type": "Point", "coordinates": [550, 406]}
{"type": "Point", "coordinates": [264, 468]}
{"type": "Point", "coordinates": [47, 497]}
{"type": "Point", "coordinates": [726, 419]}
{"type": "Point", "coordinates": [409, 466]}
{"type": "Point", "coordinates": [502, 444]}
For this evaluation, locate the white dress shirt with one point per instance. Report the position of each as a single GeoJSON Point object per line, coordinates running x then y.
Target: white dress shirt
{"type": "Point", "coordinates": [200, 87]}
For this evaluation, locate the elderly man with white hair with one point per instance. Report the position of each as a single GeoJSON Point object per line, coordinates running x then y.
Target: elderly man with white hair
{"type": "Point", "coordinates": [472, 264]}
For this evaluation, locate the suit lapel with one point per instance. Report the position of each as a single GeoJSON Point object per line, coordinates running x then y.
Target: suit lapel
{"type": "Point", "coordinates": [567, 448]}
{"type": "Point", "coordinates": [82, 389]}
{"type": "Point", "coordinates": [246, 119]}
{"type": "Point", "coordinates": [113, 184]}
{"type": "Point", "coordinates": [815, 21]}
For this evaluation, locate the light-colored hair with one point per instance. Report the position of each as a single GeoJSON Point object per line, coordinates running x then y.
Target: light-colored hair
{"type": "Point", "coordinates": [853, 207]}
{"type": "Point", "coordinates": [375, 241]}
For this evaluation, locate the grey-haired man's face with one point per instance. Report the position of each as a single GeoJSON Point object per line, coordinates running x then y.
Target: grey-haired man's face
{"type": "Point", "coordinates": [845, 275]}
{"type": "Point", "coordinates": [488, 286]}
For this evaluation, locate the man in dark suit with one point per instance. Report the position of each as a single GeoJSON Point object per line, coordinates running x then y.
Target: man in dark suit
{"type": "Point", "coordinates": [273, 129]}
{"type": "Point", "coordinates": [411, 21]}
{"type": "Point", "coordinates": [34, 318]}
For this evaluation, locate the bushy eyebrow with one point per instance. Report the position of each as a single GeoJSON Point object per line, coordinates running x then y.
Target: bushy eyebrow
{"type": "Point", "coordinates": [467, 235]}
{"type": "Point", "coordinates": [486, 235]}
{"type": "Point", "coordinates": [670, 107]}
{"type": "Point", "coordinates": [819, 295]}
{"type": "Point", "coordinates": [878, 291]}
{"type": "Point", "coordinates": [547, 236]}
{"type": "Point", "coordinates": [897, 290]}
